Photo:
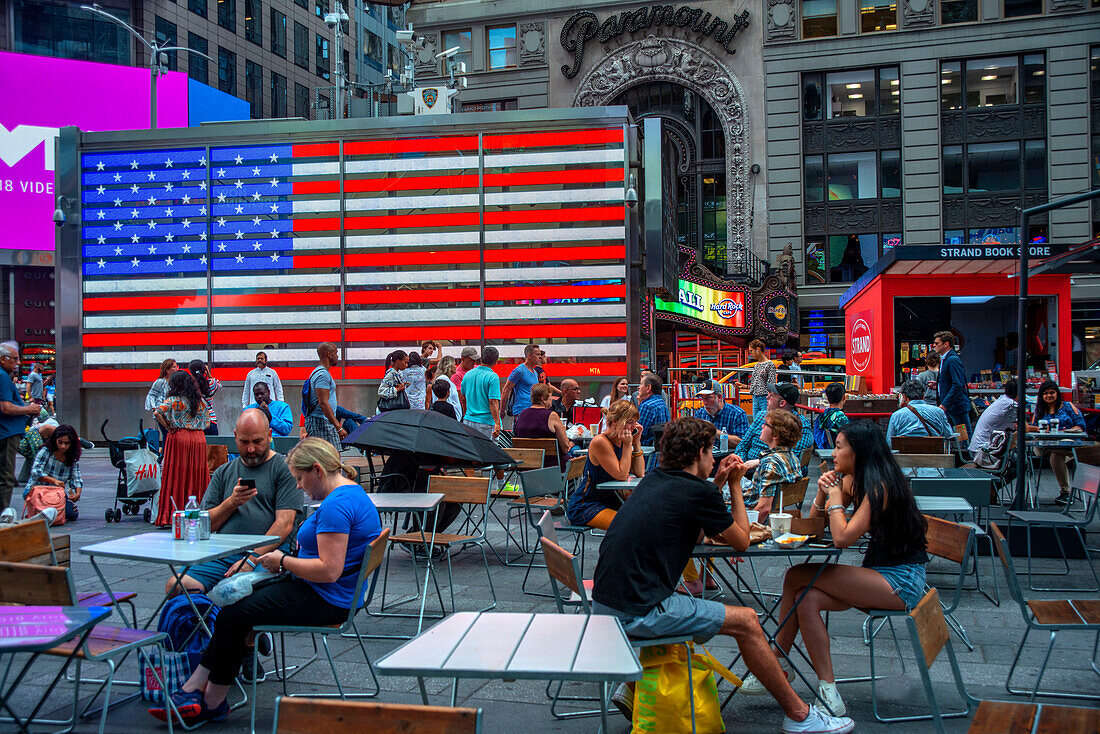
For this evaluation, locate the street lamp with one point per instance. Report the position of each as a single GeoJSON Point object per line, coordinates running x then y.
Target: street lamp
{"type": "Point", "coordinates": [336, 21]}
{"type": "Point", "coordinates": [158, 56]}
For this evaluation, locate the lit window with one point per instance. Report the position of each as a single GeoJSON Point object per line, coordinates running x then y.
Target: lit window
{"type": "Point", "coordinates": [818, 18]}
{"type": "Point", "coordinates": [851, 93]}
{"type": "Point", "coordinates": [878, 15]}
{"type": "Point", "coordinates": [502, 47]}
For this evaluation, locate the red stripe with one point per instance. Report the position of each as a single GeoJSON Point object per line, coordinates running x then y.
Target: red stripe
{"type": "Point", "coordinates": [312, 150]}
{"type": "Point", "coordinates": [570, 369]}
{"type": "Point", "coordinates": [411, 145]}
{"type": "Point", "coordinates": [526, 332]}
{"type": "Point", "coordinates": [145, 339]}
{"type": "Point", "coordinates": [550, 139]}
{"type": "Point", "coordinates": [316, 187]}
{"type": "Point", "coordinates": [522, 293]}
{"type": "Point", "coordinates": [464, 257]}
{"type": "Point", "coordinates": [410, 183]}
{"type": "Point", "coordinates": [578, 214]}
{"type": "Point", "coordinates": [404, 221]}
{"type": "Point", "coordinates": [391, 259]}
{"type": "Point", "coordinates": [238, 374]}
{"type": "Point", "coordinates": [413, 334]}
{"type": "Point", "coordinates": [434, 295]}
{"type": "Point", "coordinates": [317, 224]}
{"type": "Point", "coordinates": [275, 300]}
{"type": "Point", "coordinates": [473, 295]}
{"type": "Point", "coordinates": [289, 336]}
{"type": "Point", "coordinates": [549, 254]}
{"type": "Point", "coordinates": [302, 262]}
{"type": "Point", "coordinates": [143, 303]}
{"type": "Point", "coordinates": [540, 178]}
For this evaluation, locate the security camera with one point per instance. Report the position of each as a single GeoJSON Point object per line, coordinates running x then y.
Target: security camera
{"type": "Point", "coordinates": [409, 37]}
{"type": "Point", "coordinates": [59, 217]}
{"type": "Point", "coordinates": [332, 20]}
{"type": "Point", "coordinates": [449, 53]}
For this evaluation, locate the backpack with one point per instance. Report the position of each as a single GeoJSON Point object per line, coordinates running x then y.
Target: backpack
{"type": "Point", "coordinates": [42, 496]}
{"type": "Point", "coordinates": [309, 400]}
{"type": "Point", "coordinates": [993, 454]}
{"type": "Point", "coordinates": [824, 435]}
{"type": "Point", "coordinates": [183, 648]}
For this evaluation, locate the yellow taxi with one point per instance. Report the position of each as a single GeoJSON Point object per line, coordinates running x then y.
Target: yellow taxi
{"type": "Point", "coordinates": [818, 364]}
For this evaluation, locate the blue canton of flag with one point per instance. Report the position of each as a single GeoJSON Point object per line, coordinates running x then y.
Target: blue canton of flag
{"type": "Point", "coordinates": [252, 227]}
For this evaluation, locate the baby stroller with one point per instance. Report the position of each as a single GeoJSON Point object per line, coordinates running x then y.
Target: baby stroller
{"type": "Point", "coordinates": [134, 488]}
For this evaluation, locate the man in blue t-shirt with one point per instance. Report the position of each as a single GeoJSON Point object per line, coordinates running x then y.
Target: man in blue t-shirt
{"type": "Point", "coordinates": [522, 379]}
{"type": "Point", "coordinates": [481, 395]}
{"type": "Point", "coordinates": [13, 420]}
{"type": "Point", "coordinates": [321, 420]}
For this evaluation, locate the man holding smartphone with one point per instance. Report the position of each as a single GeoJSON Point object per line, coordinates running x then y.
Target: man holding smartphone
{"type": "Point", "coordinates": [254, 494]}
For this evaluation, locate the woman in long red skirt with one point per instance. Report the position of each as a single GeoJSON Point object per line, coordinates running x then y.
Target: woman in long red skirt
{"type": "Point", "coordinates": [185, 415]}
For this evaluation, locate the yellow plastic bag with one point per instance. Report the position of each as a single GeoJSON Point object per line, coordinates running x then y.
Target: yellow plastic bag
{"type": "Point", "coordinates": [661, 702]}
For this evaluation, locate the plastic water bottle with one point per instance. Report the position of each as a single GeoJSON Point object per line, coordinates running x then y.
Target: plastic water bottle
{"type": "Point", "coordinates": [724, 441]}
{"type": "Point", "coordinates": [236, 587]}
{"type": "Point", "coordinates": [191, 519]}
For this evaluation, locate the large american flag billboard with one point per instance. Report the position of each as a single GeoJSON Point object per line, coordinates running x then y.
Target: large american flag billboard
{"type": "Point", "coordinates": [470, 237]}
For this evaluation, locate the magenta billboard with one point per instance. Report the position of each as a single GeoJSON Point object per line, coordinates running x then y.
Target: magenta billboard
{"type": "Point", "coordinates": [43, 94]}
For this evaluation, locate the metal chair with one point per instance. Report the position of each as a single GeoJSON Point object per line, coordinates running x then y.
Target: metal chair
{"type": "Point", "coordinates": [369, 567]}
{"type": "Point", "coordinates": [310, 715]}
{"type": "Point", "coordinates": [542, 491]}
{"type": "Point", "coordinates": [1086, 480]}
{"type": "Point", "coordinates": [1053, 616]}
{"type": "Point", "coordinates": [526, 460]}
{"type": "Point", "coordinates": [549, 447]}
{"type": "Point", "coordinates": [574, 471]}
{"type": "Point", "coordinates": [954, 542]}
{"type": "Point", "coordinates": [937, 461]}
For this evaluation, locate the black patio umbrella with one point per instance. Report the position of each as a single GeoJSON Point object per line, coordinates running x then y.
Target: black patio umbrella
{"type": "Point", "coordinates": [433, 437]}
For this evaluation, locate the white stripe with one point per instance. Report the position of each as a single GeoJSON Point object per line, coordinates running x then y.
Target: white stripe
{"type": "Point", "coordinates": [561, 196]}
{"type": "Point", "coordinates": [249, 355]}
{"type": "Point", "coordinates": [299, 320]}
{"type": "Point", "coordinates": [588, 311]}
{"type": "Point", "coordinates": [316, 169]}
{"type": "Point", "coordinates": [311, 206]}
{"type": "Point", "coordinates": [437, 239]}
{"type": "Point", "coordinates": [555, 234]}
{"type": "Point", "coordinates": [145, 285]}
{"type": "Point", "coordinates": [420, 315]}
{"type": "Point", "coordinates": [144, 321]}
{"type": "Point", "coordinates": [555, 158]}
{"type": "Point", "coordinates": [134, 358]}
{"type": "Point", "coordinates": [388, 165]}
{"type": "Point", "coordinates": [317, 243]}
{"type": "Point", "coordinates": [225, 282]}
{"type": "Point", "coordinates": [401, 203]}
{"type": "Point", "coordinates": [420, 276]}
{"type": "Point", "coordinates": [511, 275]}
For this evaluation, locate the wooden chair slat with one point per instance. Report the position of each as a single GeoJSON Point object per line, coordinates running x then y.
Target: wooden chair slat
{"type": "Point", "coordinates": [61, 550]}
{"type": "Point", "coordinates": [35, 585]}
{"type": "Point", "coordinates": [1068, 719]}
{"type": "Point", "coordinates": [947, 539]}
{"type": "Point", "coordinates": [469, 490]}
{"type": "Point", "coordinates": [25, 541]}
{"type": "Point", "coordinates": [813, 526]}
{"type": "Point", "coordinates": [549, 448]}
{"type": "Point", "coordinates": [310, 715]}
{"type": "Point", "coordinates": [937, 461]}
{"type": "Point", "coordinates": [102, 640]}
{"type": "Point", "coordinates": [1054, 611]}
{"type": "Point", "coordinates": [931, 626]}
{"type": "Point", "coordinates": [918, 444]}
{"type": "Point", "coordinates": [794, 493]}
{"type": "Point", "coordinates": [1003, 717]}
{"type": "Point", "coordinates": [439, 539]}
{"type": "Point", "coordinates": [527, 459]}
{"type": "Point", "coordinates": [575, 468]}
{"type": "Point", "coordinates": [559, 563]}
{"type": "Point", "coordinates": [1089, 609]}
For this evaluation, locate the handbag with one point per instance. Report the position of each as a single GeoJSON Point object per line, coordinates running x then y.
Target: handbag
{"type": "Point", "coordinates": [400, 401]}
{"type": "Point", "coordinates": [661, 697]}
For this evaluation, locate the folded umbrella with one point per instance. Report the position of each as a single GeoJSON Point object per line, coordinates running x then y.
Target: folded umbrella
{"type": "Point", "coordinates": [432, 436]}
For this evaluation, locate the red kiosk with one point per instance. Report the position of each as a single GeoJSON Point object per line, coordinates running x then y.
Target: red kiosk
{"type": "Point", "coordinates": [893, 310]}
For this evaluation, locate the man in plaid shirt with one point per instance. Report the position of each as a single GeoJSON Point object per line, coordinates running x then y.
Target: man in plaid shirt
{"type": "Point", "coordinates": [651, 412]}
{"type": "Point", "coordinates": [783, 396]}
{"type": "Point", "coordinates": [723, 415]}
{"type": "Point", "coordinates": [777, 465]}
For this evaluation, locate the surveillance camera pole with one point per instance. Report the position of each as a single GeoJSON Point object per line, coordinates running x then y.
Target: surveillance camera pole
{"type": "Point", "coordinates": [155, 51]}
{"type": "Point", "coordinates": [336, 20]}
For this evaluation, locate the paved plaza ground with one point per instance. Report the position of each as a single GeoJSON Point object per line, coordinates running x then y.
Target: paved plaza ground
{"type": "Point", "coordinates": [521, 706]}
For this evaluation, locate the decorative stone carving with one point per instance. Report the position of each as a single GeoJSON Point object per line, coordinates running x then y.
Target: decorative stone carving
{"type": "Point", "coordinates": [676, 60]}
{"type": "Point", "coordinates": [951, 127]}
{"type": "Point", "coordinates": [1035, 121]}
{"type": "Point", "coordinates": [1067, 6]}
{"type": "Point", "coordinates": [532, 43]}
{"type": "Point", "coordinates": [916, 13]}
{"type": "Point", "coordinates": [855, 217]}
{"type": "Point", "coordinates": [992, 211]}
{"type": "Point", "coordinates": [813, 137]}
{"type": "Point", "coordinates": [889, 132]}
{"type": "Point", "coordinates": [992, 124]}
{"type": "Point", "coordinates": [855, 134]}
{"type": "Point", "coordinates": [813, 218]}
{"type": "Point", "coordinates": [425, 62]}
{"type": "Point", "coordinates": [954, 212]}
{"type": "Point", "coordinates": [890, 215]}
{"type": "Point", "coordinates": [782, 20]}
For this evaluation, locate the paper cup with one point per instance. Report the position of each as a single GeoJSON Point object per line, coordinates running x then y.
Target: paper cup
{"type": "Point", "coordinates": [780, 523]}
{"type": "Point", "coordinates": [754, 516]}
{"type": "Point", "coordinates": [595, 428]}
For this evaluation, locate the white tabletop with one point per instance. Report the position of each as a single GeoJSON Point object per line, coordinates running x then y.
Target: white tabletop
{"type": "Point", "coordinates": [530, 646]}
{"type": "Point", "coordinates": [630, 483]}
{"type": "Point", "coordinates": [163, 548]}
{"type": "Point", "coordinates": [943, 504]}
{"type": "Point", "coordinates": [405, 501]}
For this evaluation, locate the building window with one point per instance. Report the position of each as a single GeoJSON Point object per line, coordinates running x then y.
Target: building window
{"type": "Point", "coordinates": [890, 177]}
{"type": "Point", "coordinates": [958, 11]}
{"type": "Point", "coordinates": [323, 65]}
{"type": "Point", "coordinates": [197, 66]}
{"type": "Point", "coordinates": [851, 176]}
{"type": "Point", "coordinates": [278, 95]}
{"type": "Point", "coordinates": [166, 36]}
{"type": "Point", "coordinates": [813, 179]}
{"type": "Point", "coordinates": [320, 8]}
{"type": "Point", "coordinates": [301, 101]}
{"type": "Point", "coordinates": [66, 31]}
{"type": "Point", "coordinates": [198, 7]}
{"type": "Point", "coordinates": [254, 88]}
{"type": "Point", "coordinates": [994, 167]}
{"type": "Point", "coordinates": [889, 91]}
{"type": "Point", "coordinates": [252, 22]}
{"type": "Point", "coordinates": [811, 98]}
{"type": "Point", "coordinates": [462, 39]}
{"type": "Point", "coordinates": [278, 33]}
{"type": "Point", "coordinates": [844, 258]}
{"type": "Point", "coordinates": [878, 15]}
{"type": "Point", "coordinates": [502, 47]}
{"type": "Point", "coordinates": [992, 82]}
{"type": "Point", "coordinates": [375, 49]}
{"type": "Point", "coordinates": [851, 93]}
{"type": "Point", "coordinates": [227, 71]}
{"type": "Point", "coordinates": [302, 3]}
{"type": "Point", "coordinates": [227, 14]}
{"type": "Point", "coordinates": [818, 18]}
{"type": "Point", "coordinates": [1034, 79]}
{"type": "Point", "coordinates": [301, 45]}
{"type": "Point", "coordinates": [1020, 8]}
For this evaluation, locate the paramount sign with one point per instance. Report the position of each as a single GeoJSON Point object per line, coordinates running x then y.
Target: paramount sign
{"type": "Point", "coordinates": [584, 26]}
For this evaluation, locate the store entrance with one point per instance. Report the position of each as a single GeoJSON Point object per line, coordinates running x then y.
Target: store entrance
{"type": "Point", "coordinates": [986, 327]}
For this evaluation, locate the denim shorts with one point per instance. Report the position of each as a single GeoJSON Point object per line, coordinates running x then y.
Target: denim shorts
{"type": "Point", "coordinates": [908, 582]}
{"type": "Point", "coordinates": [676, 616]}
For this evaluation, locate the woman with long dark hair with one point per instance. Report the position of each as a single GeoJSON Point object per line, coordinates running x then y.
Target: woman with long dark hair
{"type": "Point", "coordinates": [208, 385]}
{"type": "Point", "coordinates": [58, 463]}
{"type": "Point", "coordinates": [892, 574]}
{"type": "Point", "coordinates": [1048, 407]}
{"type": "Point", "coordinates": [184, 414]}
{"type": "Point", "coordinates": [393, 386]}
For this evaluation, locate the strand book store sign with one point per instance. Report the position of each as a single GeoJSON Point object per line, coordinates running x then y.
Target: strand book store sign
{"type": "Point", "coordinates": [708, 309]}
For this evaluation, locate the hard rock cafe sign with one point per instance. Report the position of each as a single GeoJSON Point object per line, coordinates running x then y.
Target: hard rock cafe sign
{"type": "Point", "coordinates": [584, 26]}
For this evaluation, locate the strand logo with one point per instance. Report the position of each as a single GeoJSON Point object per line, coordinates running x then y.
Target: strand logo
{"type": "Point", "coordinates": [860, 342]}
{"type": "Point", "coordinates": [727, 307]}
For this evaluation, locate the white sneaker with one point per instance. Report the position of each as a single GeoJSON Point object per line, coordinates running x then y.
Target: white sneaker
{"type": "Point", "coordinates": [828, 693]}
{"type": "Point", "coordinates": [751, 686]}
{"type": "Point", "coordinates": [818, 722]}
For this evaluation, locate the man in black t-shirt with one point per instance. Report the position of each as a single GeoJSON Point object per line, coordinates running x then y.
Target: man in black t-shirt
{"type": "Point", "coordinates": [652, 539]}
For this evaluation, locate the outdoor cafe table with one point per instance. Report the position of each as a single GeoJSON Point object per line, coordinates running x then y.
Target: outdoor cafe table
{"type": "Point", "coordinates": [1044, 443]}
{"type": "Point", "coordinates": [501, 645]}
{"type": "Point", "coordinates": [35, 630]}
{"type": "Point", "coordinates": [934, 505]}
{"type": "Point", "coordinates": [162, 548]}
{"type": "Point", "coordinates": [823, 554]}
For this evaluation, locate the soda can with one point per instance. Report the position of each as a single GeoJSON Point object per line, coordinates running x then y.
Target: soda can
{"type": "Point", "coordinates": [204, 525]}
{"type": "Point", "coordinates": [177, 524]}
